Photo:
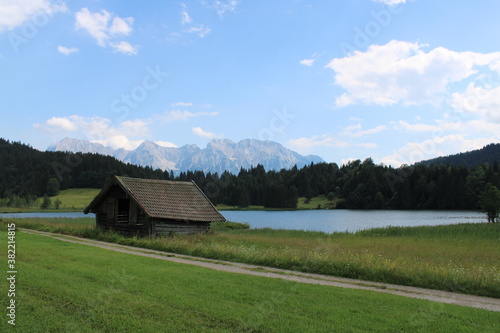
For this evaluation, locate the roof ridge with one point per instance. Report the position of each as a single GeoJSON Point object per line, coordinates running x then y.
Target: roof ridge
{"type": "Point", "coordinates": [152, 180]}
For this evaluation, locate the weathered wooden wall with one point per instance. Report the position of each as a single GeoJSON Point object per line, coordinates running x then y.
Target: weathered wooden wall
{"type": "Point", "coordinates": [166, 227]}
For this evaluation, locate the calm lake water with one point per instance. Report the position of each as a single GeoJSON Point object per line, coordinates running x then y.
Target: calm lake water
{"type": "Point", "coordinates": [326, 220]}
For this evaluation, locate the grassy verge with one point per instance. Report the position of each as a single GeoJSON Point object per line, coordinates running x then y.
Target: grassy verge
{"type": "Point", "coordinates": [461, 258]}
{"type": "Point", "coordinates": [64, 287]}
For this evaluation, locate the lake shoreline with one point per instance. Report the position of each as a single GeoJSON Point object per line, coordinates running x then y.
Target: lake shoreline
{"type": "Point", "coordinates": [328, 221]}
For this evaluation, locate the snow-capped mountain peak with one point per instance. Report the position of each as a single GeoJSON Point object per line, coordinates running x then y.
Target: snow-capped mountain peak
{"type": "Point", "coordinates": [220, 155]}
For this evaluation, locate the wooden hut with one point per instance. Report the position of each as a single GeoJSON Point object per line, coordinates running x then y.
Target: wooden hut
{"type": "Point", "coordinates": [151, 207]}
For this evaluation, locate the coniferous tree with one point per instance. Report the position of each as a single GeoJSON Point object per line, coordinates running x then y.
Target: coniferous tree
{"type": "Point", "coordinates": [490, 202]}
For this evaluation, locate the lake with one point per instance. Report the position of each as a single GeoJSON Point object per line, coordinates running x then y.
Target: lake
{"type": "Point", "coordinates": [328, 221]}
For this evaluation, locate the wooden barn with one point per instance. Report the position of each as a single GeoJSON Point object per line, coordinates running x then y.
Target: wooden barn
{"type": "Point", "coordinates": [151, 207]}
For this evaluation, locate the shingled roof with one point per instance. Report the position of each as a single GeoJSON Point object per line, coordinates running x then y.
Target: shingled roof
{"type": "Point", "coordinates": [165, 199]}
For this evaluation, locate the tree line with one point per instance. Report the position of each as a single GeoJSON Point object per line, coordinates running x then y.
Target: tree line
{"type": "Point", "coordinates": [28, 173]}
{"type": "Point", "coordinates": [355, 185]}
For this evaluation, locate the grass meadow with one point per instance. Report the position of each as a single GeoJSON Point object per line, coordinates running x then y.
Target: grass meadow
{"type": "Point", "coordinates": [461, 258]}
{"type": "Point", "coordinates": [74, 199]}
{"type": "Point", "coordinates": [66, 287]}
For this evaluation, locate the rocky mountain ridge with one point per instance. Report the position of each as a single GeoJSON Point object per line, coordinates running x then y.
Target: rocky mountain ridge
{"type": "Point", "coordinates": [220, 155]}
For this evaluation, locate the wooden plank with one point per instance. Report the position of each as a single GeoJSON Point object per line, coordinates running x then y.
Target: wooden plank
{"type": "Point", "coordinates": [181, 228]}
{"type": "Point", "coordinates": [132, 213]}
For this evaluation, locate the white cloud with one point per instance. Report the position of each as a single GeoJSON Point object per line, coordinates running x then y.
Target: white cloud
{"type": "Point", "coordinates": [223, 7]}
{"type": "Point", "coordinates": [13, 13]}
{"type": "Point", "coordinates": [66, 50]}
{"type": "Point", "coordinates": [416, 127]}
{"type": "Point", "coordinates": [97, 129]}
{"type": "Point", "coordinates": [182, 104]}
{"type": "Point", "coordinates": [355, 131]}
{"type": "Point", "coordinates": [479, 101]}
{"type": "Point", "coordinates": [198, 29]}
{"type": "Point", "coordinates": [178, 115]}
{"type": "Point", "coordinates": [391, 2]}
{"type": "Point", "coordinates": [204, 134]}
{"type": "Point", "coordinates": [124, 47]}
{"type": "Point", "coordinates": [439, 146]}
{"type": "Point", "coordinates": [121, 26]}
{"type": "Point", "coordinates": [189, 28]}
{"type": "Point", "coordinates": [62, 123]}
{"type": "Point", "coordinates": [166, 144]}
{"type": "Point", "coordinates": [105, 28]}
{"type": "Point", "coordinates": [95, 24]}
{"type": "Point", "coordinates": [402, 72]}
{"type": "Point", "coordinates": [136, 127]}
{"type": "Point", "coordinates": [307, 62]}
{"type": "Point", "coordinates": [185, 18]}
{"type": "Point", "coordinates": [119, 141]}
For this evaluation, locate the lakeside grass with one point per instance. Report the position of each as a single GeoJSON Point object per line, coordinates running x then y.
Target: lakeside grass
{"type": "Point", "coordinates": [460, 258]}
{"type": "Point", "coordinates": [72, 200]}
{"type": "Point", "coordinates": [319, 202]}
{"type": "Point", "coordinates": [75, 198]}
{"type": "Point", "coordinates": [66, 287]}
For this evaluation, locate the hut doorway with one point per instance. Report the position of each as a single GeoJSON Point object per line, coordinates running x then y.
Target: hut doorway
{"type": "Point", "coordinates": [123, 209]}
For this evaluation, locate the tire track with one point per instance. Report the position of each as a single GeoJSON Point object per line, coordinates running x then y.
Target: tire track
{"type": "Point", "coordinates": [487, 303]}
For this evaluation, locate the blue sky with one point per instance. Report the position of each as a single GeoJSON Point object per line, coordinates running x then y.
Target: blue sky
{"type": "Point", "coordinates": [395, 80]}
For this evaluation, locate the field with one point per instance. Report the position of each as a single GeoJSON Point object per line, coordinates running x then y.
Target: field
{"type": "Point", "coordinates": [65, 287]}
{"type": "Point", "coordinates": [75, 198]}
{"type": "Point", "coordinates": [460, 258]}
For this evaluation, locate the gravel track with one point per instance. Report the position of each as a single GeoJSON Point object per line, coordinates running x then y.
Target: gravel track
{"type": "Point", "coordinates": [492, 304]}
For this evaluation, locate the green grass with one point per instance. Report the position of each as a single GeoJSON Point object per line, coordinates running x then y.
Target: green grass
{"type": "Point", "coordinates": [319, 202]}
{"type": "Point", "coordinates": [460, 258]}
{"type": "Point", "coordinates": [65, 287]}
{"type": "Point", "coordinates": [75, 198]}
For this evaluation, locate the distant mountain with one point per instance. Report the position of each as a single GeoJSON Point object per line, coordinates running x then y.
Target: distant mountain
{"type": "Point", "coordinates": [488, 154]}
{"type": "Point", "coordinates": [219, 155]}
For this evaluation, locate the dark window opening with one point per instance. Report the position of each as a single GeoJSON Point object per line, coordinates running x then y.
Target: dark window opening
{"type": "Point", "coordinates": [123, 208]}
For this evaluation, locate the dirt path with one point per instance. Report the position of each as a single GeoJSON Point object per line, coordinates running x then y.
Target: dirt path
{"type": "Point", "coordinates": [492, 304]}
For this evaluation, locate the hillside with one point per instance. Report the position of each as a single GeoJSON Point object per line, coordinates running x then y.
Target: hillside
{"type": "Point", "coordinates": [488, 154]}
{"type": "Point", "coordinates": [26, 171]}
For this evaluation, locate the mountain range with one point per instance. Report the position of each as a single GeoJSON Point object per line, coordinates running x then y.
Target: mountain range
{"type": "Point", "coordinates": [220, 155]}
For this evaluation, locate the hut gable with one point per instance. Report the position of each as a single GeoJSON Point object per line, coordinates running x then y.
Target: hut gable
{"type": "Point", "coordinates": [153, 206]}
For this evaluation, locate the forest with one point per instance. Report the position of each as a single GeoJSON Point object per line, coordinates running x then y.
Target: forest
{"type": "Point", "coordinates": [28, 173]}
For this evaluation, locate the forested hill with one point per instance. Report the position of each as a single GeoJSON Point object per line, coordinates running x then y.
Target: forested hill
{"type": "Point", "coordinates": [488, 154]}
{"type": "Point", "coordinates": [26, 171]}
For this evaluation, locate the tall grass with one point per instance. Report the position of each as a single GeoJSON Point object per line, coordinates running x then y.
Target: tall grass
{"type": "Point", "coordinates": [461, 258]}
{"type": "Point", "coordinates": [63, 287]}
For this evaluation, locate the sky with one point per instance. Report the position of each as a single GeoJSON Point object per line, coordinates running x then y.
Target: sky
{"type": "Point", "coordinates": [396, 80]}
